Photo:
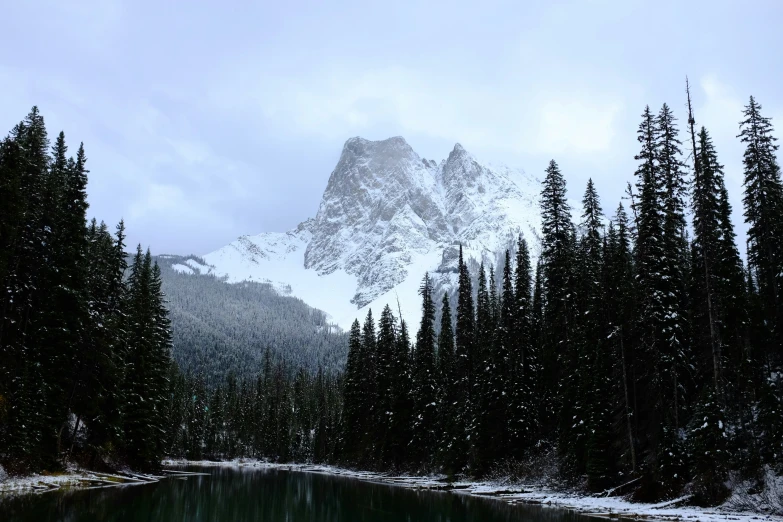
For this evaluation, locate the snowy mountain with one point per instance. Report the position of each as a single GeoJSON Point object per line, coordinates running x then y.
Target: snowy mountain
{"type": "Point", "coordinates": [387, 216]}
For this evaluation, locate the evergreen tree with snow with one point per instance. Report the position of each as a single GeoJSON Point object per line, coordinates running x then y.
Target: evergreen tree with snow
{"type": "Point", "coordinates": [708, 450]}
{"type": "Point", "coordinates": [655, 358]}
{"type": "Point", "coordinates": [352, 394]}
{"type": "Point", "coordinates": [448, 405]}
{"type": "Point", "coordinates": [425, 380]}
{"type": "Point", "coordinates": [523, 358]}
{"type": "Point", "coordinates": [764, 214]}
{"type": "Point", "coordinates": [387, 341]}
{"type": "Point", "coordinates": [464, 350]}
{"type": "Point", "coordinates": [619, 313]}
{"type": "Point", "coordinates": [583, 400]}
{"type": "Point", "coordinates": [399, 437]}
{"type": "Point", "coordinates": [369, 392]}
{"type": "Point", "coordinates": [560, 352]}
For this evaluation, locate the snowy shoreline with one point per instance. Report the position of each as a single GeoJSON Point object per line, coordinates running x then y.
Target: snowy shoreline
{"type": "Point", "coordinates": [75, 478]}
{"type": "Point", "coordinates": [511, 493]}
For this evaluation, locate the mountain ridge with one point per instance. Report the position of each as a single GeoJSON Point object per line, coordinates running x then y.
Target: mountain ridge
{"type": "Point", "coordinates": [386, 217]}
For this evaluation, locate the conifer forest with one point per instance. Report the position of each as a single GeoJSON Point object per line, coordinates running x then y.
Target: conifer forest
{"type": "Point", "coordinates": [642, 349]}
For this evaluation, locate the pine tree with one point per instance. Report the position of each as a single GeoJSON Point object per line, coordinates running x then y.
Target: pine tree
{"type": "Point", "coordinates": [402, 410]}
{"type": "Point", "coordinates": [506, 362]}
{"type": "Point", "coordinates": [448, 406]}
{"type": "Point", "coordinates": [352, 391]}
{"type": "Point", "coordinates": [675, 347]}
{"type": "Point", "coordinates": [494, 331]}
{"type": "Point", "coordinates": [160, 359]}
{"type": "Point", "coordinates": [29, 428]}
{"type": "Point", "coordinates": [619, 313]}
{"type": "Point", "coordinates": [707, 440]}
{"type": "Point", "coordinates": [591, 436]}
{"type": "Point", "coordinates": [600, 463]}
{"type": "Point", "coordinates": [425, 380]}
{"type": "Point", "coordinates": [560, 353]}
{"type": "Point", "coordinates": [522, 418]}
{"type": "Point", "coordinates": [322, 434]}
{"type": "Point", "coordinates": [385, 356]}
{"type": "Point", "coordinates": [465, 359]}
{"type": "Point", "coordinates": [763, 210]}
{"type": "Point", "coordinates": [137, 411]}
{"type": "Point", "coordinates": [368, 387]}
{"type": "Point", "coordinates": [653, 371]}
{"type": "Point", "coordinates": [544, 409]}
{"type": "Point", "coordinates": [587, 399]}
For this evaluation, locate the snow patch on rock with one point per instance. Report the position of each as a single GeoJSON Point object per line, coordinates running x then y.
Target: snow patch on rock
{"type": "Point", "coordinates": [387, 216]}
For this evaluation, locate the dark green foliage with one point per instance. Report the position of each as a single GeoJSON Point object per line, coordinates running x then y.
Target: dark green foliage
{"type": "Point", "coordinates": [619, 295]}
{"type": "Point", "coordinates": [282, 415]}
{"type": "Point", "coordinates": [707, 449]}
{"type": "Point", "coordinates": [399, 436]}
{"type": "Point", "coordinates": [425, 380]}
{"type": "Point", "coordinates": [764, 214]}
{"type": "Point", "coordinates": [147, 361]}
{"type": "Point", "coordinates": [368, 390]}
{"type": "Point", "coordinates": [561, 375]}
{"type": "Point", "coordinates": [448, 406]}
{"type": "Point", "coordinates": [523, 357]}
{"type": "Point", "coordinates": [465, 335]}
{"type": "Point", "coordinates": [352, 395]}
{"type": "Point", "coordinates": [84, 353]}
{"type": "Point", "coordinates": [492, 351]}
{"type": "Point", "coordinates": [656, 354]}
{"type": "Point", "coordinates": [221, 328]}
{"type": "Point", "coordinates": [387, 344]}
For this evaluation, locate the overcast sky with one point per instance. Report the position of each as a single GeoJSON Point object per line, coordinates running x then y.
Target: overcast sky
{"type": "Point", "coordinates": [205, 120]}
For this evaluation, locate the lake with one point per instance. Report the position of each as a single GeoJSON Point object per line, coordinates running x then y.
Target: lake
{"type": "Point", "coordinates": [248, 494]}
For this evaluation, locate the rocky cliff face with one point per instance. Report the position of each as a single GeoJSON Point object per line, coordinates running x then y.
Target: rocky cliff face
{"type": "Point", "coordinates": [387, 216]}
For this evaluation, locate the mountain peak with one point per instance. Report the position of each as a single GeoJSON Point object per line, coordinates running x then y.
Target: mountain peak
{"type": "Point", "coordinates": [386, 216]}
{"type": "Point", "coordinates": [357, 143]}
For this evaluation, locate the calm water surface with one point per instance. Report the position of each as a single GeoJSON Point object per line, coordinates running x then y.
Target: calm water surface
{"type": "Point", "coordinates": [254, 495]}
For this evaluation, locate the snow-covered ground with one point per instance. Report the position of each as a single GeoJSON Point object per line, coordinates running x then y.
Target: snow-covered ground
{"type": "Point", "coordinates": [72, 478]}
{"type": "Point", "coordinates": [515, 493]}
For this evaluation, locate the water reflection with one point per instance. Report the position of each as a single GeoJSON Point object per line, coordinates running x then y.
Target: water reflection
{"type": "Point", "coordinates": [246, 494]}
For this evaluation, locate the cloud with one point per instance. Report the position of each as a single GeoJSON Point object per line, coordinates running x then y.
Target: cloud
{"type": "Point", "coordinates": [170, 203]}
{"type": "Point", "coordinates": [479, 114]}
{"type": "Point", "coordinates": [722, 107]}
{"type": "Point", "coordinates": [571, 124]}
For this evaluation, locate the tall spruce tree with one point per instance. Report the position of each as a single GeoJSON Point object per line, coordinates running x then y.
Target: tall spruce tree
{"type": "Point", "coordinates": [387, 341]}
{"type": "Point", "coordinates": [592, 407]}
{"type": "Point", "coordinates": [650, 269]}
{"type": "Point", "coordinates": [560, 353]}
{"type": "Point", "coordinates": [523, 357]}
{"type": "Point", "coordinates": [448, 405]}
{"type": "Point", "coordinates": [369, 392]}
{"type": "Point", "coordinates": [399, 438]}
{"type": "Point", "coordinates": [619, 315]}
{"type": "Point", "coordinates": [764, 214]}
{"type": "Point", "coordinates": [352, 392]}
{"type": "Point", "coordinates": [425, 380]}
{"type": "Point", "coordinates": [84, 355]}
{"type": "Point", "coordinates": [463, 367]}
{"type": "Point", "coordinates": [483, 346]}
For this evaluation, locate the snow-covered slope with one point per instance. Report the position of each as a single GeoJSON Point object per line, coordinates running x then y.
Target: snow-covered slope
{"type": "Point", "coordinates": [387, 216]}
